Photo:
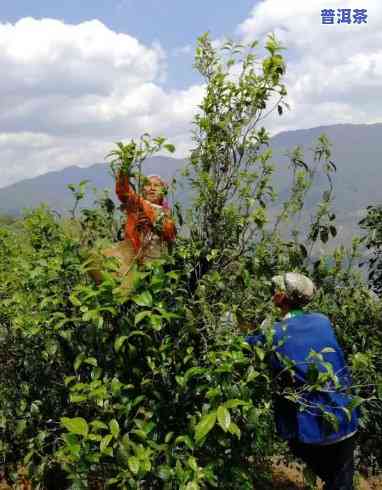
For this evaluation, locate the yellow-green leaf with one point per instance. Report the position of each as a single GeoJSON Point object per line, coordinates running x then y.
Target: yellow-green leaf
{"type": "Point", "coordinates": [205, 425]}
{"type": "Point", "coordinates": [114, 428]}
{"type": "Point", "coordinates": [234, 429]}
{"type": "Point", "coordinates": [234, 403]}
{"type": "Point", "coordinates": [92, 361]}
{"type": "Point", "coordinates": [192, 485]}
{"type": "Point", "coordinates": [77, 425]}
{"type": "Point", "coordinates": [143, 299]}
{"type": "Point", "coordinates": [119, 341]}
{"type": "Point", "coordinates": [105, 442]}
{"type": "Point", "coordinates": [192, 463]}
{"type": "Point", "coordinates": [77, 398]}
{"type": "Point", "coordinates": [97, 424]}
{"type": "Point", "coordinates": [224, 417]}
{"type": "Point", "coordinates": [133, 464]}
{"type": "Point", "coordinates": [21, 426]}
{"type": "Point", "coordinates": [140, 316]}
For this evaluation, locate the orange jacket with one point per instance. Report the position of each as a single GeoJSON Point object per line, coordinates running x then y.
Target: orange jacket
{"type": "Point", "coordinates": [137, 208]}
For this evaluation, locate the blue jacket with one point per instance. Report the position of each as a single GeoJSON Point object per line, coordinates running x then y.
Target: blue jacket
{"type": "Point", "coordinates": [294, 338]}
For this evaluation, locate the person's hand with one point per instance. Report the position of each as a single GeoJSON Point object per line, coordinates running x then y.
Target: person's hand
{"type": "Point", "coordinates": [245, 327]}
{"type": "Point", "coordinates": [143, 221]}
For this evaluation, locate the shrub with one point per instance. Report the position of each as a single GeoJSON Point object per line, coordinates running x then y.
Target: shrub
{"type": "Point", "coordinates": [156, 388]}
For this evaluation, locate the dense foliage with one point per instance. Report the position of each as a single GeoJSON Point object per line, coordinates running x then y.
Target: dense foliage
{"type": "Point", "coordinates": [372, 225]}
{"type": "Point", "coordinates": [156, 388]}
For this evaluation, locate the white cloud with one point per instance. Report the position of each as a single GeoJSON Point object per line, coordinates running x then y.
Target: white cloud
{"type": "Point", "coordinates": [67, 92]}
{"type": "Point", "coordinates": [334, 72]}
{"type": "Point", "coordinates": [46, 57]}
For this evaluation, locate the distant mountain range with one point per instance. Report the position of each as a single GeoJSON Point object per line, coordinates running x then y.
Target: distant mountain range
{"type": "Point", "coordinates": [51, 188]}
{"type": "Point", "coordinates": [357, 152]}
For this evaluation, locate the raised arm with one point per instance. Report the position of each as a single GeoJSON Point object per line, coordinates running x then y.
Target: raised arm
{"type": "Point", "coordinates": [134, 201]}
{"type": "Point", "coordinates": [125, 191]}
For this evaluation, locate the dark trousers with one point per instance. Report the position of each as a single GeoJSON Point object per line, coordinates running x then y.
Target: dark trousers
{"type": "Point", "coordinates": [333, 463]}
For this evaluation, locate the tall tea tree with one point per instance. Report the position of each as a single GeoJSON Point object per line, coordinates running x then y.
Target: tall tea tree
{"type": "Point", "coordinates": [230, 167]}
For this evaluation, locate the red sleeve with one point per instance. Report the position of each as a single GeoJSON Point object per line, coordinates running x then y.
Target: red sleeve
{"type": "Point", "coordinates": [128, 196]}
{"type": "Point", "coordinates": [126, 193]}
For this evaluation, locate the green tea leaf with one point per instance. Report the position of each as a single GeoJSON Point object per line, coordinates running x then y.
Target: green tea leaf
{"type": "Point", "coordinates": [105, 443]}
{"type": "Point", "coordinates": [97, 424]}
{"type": "Point", "coordinates": [224, 417]}
{"type": "Point", "coordinates": [234, 403]}
{"type": "Point", "coordinates": [205, 425]}
{"type": "Point", "coordinates": [170, 148]}
{"type": "Point", "coordinates": [21, 426]}
{"type": "Point", "coordinates": [91, 360]}
{"type": "Point", "coordinates": [192, 463]}
{"type": "Point", "coordinates": [119, 341]}
{"type": "Point", "coordinates": [164, 472]}
{"type": "Point", "coordinates": [192, 485]}
{"type": "Point", "coordinates": [143, 299]}
{"type": "Point", "coordinates": [133, 464]}
{"type": "Point", "coordinates": [114, 427]}
{"type": "Point", "coordinates": [234, 429]}
{"type": "Point", "coordinates": [77, 425]}
{"type": "Point", "coordinates": [140, 316]}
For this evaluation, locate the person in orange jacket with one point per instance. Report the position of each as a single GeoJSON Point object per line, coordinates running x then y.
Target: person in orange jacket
{"type": "Point", "coordinates": [149, 225]}
{"type": "Point", "coordinates": [148, 229]}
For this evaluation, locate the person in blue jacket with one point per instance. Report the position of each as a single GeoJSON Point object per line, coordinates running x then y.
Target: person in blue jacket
{"type": "Point", "coordinates": [325, 443]}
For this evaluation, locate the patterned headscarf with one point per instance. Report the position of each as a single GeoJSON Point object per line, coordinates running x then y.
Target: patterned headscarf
{"type": "Point", "coordinates": [298, 288]}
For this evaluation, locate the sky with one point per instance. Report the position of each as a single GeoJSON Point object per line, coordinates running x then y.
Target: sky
{"type": "Point", "coordinates": [78, 76]}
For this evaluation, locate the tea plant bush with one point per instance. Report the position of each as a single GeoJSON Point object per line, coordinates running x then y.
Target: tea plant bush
{"type": "Point", "coordinates": [156, 389]}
